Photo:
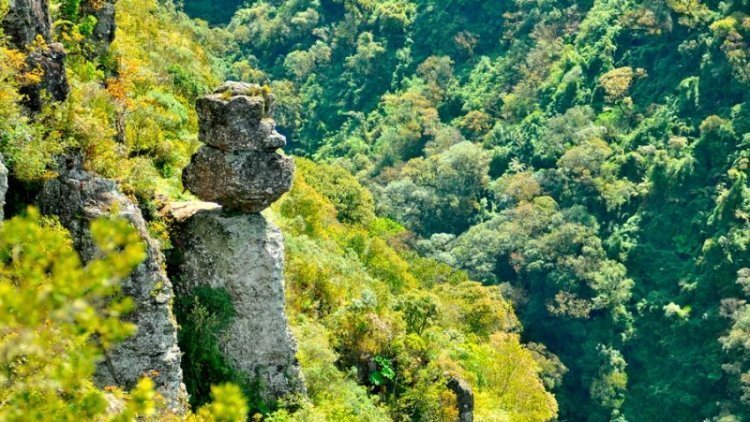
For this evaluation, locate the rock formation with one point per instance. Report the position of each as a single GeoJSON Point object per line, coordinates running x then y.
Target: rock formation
{"type": "Point", "coordinates": [78, 197]}
{"type": "Point", "coordinates": [233, 247]}
{"type": "Point", "coordinates": [104, 30]}
{"type": "Point", "coordinates": [464, 398]}
{"type": "Point", "coordinates": [244, 255]}
{"type": "Point", "coordinates": [238, 167]}
{"type": "Point", "coordinates": [3, 186]}
{"type": "Point", "coordinates": [50, 60]}
{"type": "Point", "coordinates": [25, 21]}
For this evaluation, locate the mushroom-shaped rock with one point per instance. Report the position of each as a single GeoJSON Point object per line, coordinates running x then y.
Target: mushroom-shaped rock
{"type": "Point", "coordinates": [239, 166]}
{"type": "Point", "coordinates": [247, 181]}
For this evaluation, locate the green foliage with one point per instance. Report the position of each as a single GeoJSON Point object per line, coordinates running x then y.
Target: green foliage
{"type": "Point", "coordinates": [69, 9]}
{"type": "Point", "coordinates": [60, 316]}
{"type": "Point", "coordinates": [384, 372]}
{"type": "Point", "coordinates": [587, 156]}
{"type": "Point", "coordinates": [52, 308]}
{"type": "Point", "coordinates": [354, 204]}
{"type": "Point", "coordinates": [379, 327]}
{"type": "Point", "coordinates": [587, 160]}
{"type": "Point", "coordinates": [203, 316]}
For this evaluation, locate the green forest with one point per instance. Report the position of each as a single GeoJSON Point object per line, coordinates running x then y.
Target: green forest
{"type": "Point", "coordinates": [546, 199]}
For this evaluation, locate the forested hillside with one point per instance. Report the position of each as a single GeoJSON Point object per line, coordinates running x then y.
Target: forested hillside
{"type": "Point", "coordinates": [384, 333]}
{"type": "Point", "coordinates": [531, 209]}
{"type": "Point", "coordinates": [588, 157]}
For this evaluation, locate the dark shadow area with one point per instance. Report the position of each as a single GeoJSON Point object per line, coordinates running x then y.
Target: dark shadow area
{"type": "Point", "coordinates": [214, 12]}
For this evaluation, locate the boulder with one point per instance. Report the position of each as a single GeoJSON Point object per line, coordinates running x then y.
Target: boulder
{"type": "Point", "coordinates": [246, 181]}
{"type": "Point", "coordinates": [236, 117]}
{"type": "Point", "coordinates": [77, 198]}
{"type": "Point", "coordinates": [236, 123]}
{"type": "Point", "coordinates": [239, 166]}
{"type": "Point", "coordinates": [244, 255]}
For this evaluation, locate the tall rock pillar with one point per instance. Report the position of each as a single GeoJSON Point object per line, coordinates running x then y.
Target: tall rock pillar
{"type": "Point", "coordinates": [231, 246]}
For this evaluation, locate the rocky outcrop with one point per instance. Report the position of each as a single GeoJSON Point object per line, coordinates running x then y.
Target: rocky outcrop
{"type": "Point", "coordinates": [244, 255]}
{"type": "Point", "coordinates": [238, 180]}
{"type": "Point", "coordinates": [238, 167]}
{"type": "Point", "coordinates": [50, 60]}
{"type": "Point", "coordinates": [3, 186]}
{"type": "Point", "coordinates": [104, 31]}
{"type": "Point", "coordinates": [232, 247]}
{"type": "Point", "coordinates": [25, 21]}
{"type": "Point", "coordinates": [464, 398]}
{"type": "Point", "coordinates": [78, 197]}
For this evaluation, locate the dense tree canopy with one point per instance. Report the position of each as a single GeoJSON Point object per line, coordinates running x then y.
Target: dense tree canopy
{"type": "Point", "coordinates": [586, 161]}
{"type": "Point", "coordinates": [589, 157]}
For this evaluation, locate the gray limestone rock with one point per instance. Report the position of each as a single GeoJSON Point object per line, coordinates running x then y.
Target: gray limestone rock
{"type": "Point", "coordinates": [78, 197]}
{"type": "Point", "coordinates": [104, 30]}
{"type": "Point", "coordinates": [243, 254]}
{"type": "Point", "coordinates": [247, 181]}
{"type": "Point", "coordinates": [236, 117]}
{"type": "Point", "coordinates": [3, 186]}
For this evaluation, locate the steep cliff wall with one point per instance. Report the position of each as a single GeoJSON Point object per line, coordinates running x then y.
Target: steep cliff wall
{"type": "Point", "coordinates": [78, 197]}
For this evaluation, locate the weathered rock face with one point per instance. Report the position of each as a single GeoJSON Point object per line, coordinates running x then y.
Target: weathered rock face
{"type": "Point", "coordinates": [464, 398]}
{"type": "Point", "coordinates": [234, 117]}
{"type": "Point", "coordinates": [243, 254]}
{"type": "Point", "coordinates": [3, 186]}
{"type": "Point", "coordinates": [239, 180]}
{"type": "Point", "coordinates": [104, 30]}
{"type": "Point", "coordinates": [77, 198]}
{"type": "Point", "coordinates": [50, 59]}
{"type": "Point", "coordinates": [238, 167]}
{"type": "Point", "coordinates": [27, 19]}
